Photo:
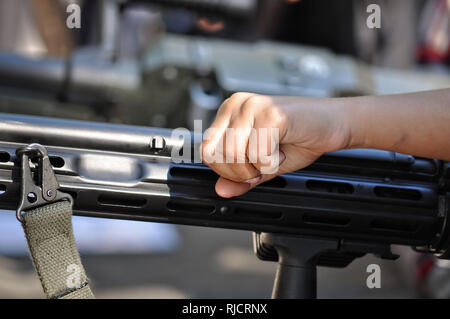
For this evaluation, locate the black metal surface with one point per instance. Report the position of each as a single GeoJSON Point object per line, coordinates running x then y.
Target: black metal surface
{"type": "Point", "coordinates": [113, 171]}
{"type": "Point", "coordinates": [296, 275]}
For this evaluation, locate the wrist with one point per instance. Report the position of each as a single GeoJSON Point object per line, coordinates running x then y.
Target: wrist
{"type": "Point", "coordinates": [354, 113]}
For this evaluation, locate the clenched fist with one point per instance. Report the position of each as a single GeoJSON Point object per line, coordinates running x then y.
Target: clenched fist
{"type": "Point", "coordinates": [255, 138]}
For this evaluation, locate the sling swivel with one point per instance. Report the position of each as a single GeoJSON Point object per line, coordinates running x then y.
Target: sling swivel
{"type": "Point", "coordinates": [43, 188]}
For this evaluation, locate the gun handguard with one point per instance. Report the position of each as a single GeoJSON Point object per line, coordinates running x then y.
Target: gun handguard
{"type": "Point", "coordinates": [128, 172]}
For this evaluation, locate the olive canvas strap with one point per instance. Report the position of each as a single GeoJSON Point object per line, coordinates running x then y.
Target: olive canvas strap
{"type": "Point", "coordinates": [46, 217]}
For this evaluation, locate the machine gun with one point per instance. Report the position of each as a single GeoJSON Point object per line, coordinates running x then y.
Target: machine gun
{"type": "Point", "coordinates": [345, 205]}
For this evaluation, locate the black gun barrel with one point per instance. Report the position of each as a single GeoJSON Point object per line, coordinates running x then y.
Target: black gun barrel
{"type": "Point", "coordinates": [129, 172]}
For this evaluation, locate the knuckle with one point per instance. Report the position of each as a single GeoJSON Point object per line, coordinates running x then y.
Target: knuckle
{"type": "Point", "coordinates": [224, 107]}
{"type": "Point", "coordinates": [273, 115]}
{"type": "Point", "coordinates": [249, 105]}
{"type": "Point", "coordinates": [229, 105]}
{"type": "Point", "coordinates": [235, 96]}
{"type": "Point", "coordinates": [233, 100]}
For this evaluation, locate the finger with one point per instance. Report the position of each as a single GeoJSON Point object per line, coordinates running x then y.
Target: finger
{"type": "Point", "coordinates": [230, 156]}
{"type": "Point", "coordinates": [214, 147]}
{"type": "Point", "coordinates": [216, 130]}
{"type": "Point", "coordinates": [212, 155]}
{"type": "Point", "coordinates": [227, 188]}
{"type": "Point", "coordinates": [263, 150]}
{"type": "Point", "coordinates": [237, 139]}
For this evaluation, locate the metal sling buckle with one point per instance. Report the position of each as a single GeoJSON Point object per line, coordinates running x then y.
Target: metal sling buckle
{"type": "Point", "coordinates": [45, 190]}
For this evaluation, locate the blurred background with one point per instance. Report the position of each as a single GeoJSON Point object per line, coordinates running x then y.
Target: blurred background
{"type": "Point", "coordinates": [164, 63]}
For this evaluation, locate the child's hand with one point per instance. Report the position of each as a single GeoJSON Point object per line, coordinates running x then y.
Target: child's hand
{"type": "Point", "coordinates": [306, 130]}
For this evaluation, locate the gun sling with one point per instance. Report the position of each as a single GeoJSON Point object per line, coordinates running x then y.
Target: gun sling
{"type": "Point", "coordinates": [55, 256]}
{"type": "Point", "coordinates": [46, 217]}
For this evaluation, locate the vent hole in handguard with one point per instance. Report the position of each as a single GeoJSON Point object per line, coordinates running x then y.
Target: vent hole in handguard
{"type": "Point", "coordinates": [121, 201]}
{"type": "Point", "coordinates": [56, 161]}
{"type": "Point", "coordinates": [329, 187]}
{"type": "Point", "coordinates": [398, 193]}
{"type": "Point", "coordinates": [190, 208]}
{"type": "Point", "coordinates": [321, 219]}
{"type": "Point", "coordinates": [4, 157]}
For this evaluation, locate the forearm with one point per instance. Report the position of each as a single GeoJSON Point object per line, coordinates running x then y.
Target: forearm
{"type": "Point", "coordinates": [415, 123]}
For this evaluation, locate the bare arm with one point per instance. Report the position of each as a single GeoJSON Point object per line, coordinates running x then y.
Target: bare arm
{"type": "Point", "coordinates": [416, 123]}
